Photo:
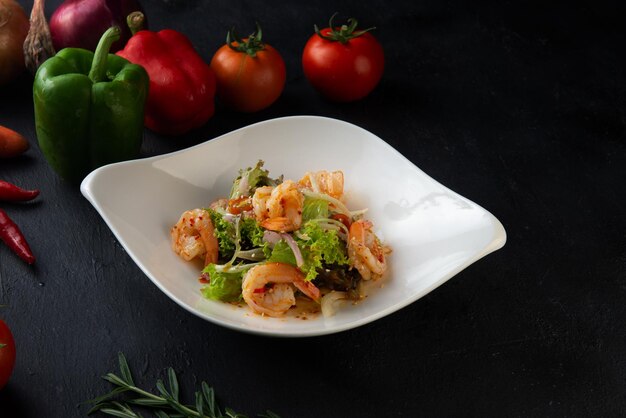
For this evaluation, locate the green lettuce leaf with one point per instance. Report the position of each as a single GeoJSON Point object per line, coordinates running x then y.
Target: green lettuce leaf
{"type": "Point", "coordinates": [281, 253]}
{"type": "Point", "coordinates": [322, 248]}
{"type": "Point", "coordinates": [255, 177]}
{"type": "Point", "coordinates": [222, 286]}
{"type": "Point", "coordinates": [251, 234]}
{"type": "Point", "coordinates": [225, 233]}
{"type": "Point", "coordinates": [314, 209]}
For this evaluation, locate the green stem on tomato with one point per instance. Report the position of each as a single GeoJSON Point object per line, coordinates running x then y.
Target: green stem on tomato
{"type": "Point", "coordinates": [251, 45]}
{"type": "Point", "coordinates": [344, 33]}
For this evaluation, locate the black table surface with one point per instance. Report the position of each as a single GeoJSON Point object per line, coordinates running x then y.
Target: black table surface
{"type": "Point", "coordinates": [519, 106]}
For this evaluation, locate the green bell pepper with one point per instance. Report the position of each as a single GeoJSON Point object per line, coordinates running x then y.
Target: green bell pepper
{"type": "Point", "coordinates": [89, 108]}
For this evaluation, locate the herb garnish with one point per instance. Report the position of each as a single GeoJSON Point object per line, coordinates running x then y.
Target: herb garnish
{"type": "Point", "coordinates": [165, 405]}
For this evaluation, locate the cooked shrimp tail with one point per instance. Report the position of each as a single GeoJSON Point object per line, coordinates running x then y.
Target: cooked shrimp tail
{"type": "Point", "coordinates": [193, 236]}
{"type": "Point", "coordinates": [268, 288]}
{"type": "Point", "coordinates": [365, 251]}
{"type": "Point", "coordinates": [328, 182]}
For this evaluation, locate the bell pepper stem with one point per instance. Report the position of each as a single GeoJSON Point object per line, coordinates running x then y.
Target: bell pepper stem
{"type": "Point", "coordinates": [135, 22]}
{"type": "Point", "coordinates": [99, 63]}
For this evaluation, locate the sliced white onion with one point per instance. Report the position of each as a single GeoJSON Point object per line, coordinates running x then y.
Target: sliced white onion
{"type": "Point", "coordinates": [244, 185]}
{"type": "Point", "coordinates": [229, 217]}
{"type": "Point", "coordinates": [313, 181]}
{"type": "Point", "coordinates": [330, 302]}
{"type": "Point", "coordinates": [337, 204]}
{"type": "Point", "coordinates": [271, 237]}
{"type": "Point", "coordinates": [294, 247]}
{"type": "Point", "coordinates": [358, 213]}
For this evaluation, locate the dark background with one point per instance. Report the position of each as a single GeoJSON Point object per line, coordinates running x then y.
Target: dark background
{"type": "Point", "coordinates": [519, 106]}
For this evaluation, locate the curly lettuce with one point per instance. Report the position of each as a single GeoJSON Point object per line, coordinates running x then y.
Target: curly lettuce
{"type": "Point", "coordinates": [250, 178]}
{"type": "Point", "coordinates": [319, 247]}
{"type": "Point", "coordinates": [242, 239]}
{"type": "Point", "coordinates": [222, 286]}
{"type": "Point", "coordinates": [225, 233]}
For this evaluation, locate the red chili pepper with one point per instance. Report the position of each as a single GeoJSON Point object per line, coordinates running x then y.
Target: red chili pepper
{"type": "Point", "coordinates": [12, 193]}
{"type": "Point", "coordinates": [13, 238]}
{"type": "Point", "coordinates": [182, 85]}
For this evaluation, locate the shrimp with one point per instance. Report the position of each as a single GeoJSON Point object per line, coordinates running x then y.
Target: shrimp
{"type": "Point", "coordinates": [259, 202]}
{"type": "Point", "coordinates": [279, 208]}
{"type": "Point", "coordinates": [277, 299]}
{"type": "Point", "coordinates": [193, 236]}
{"type": "Point", "coordinates": [330, 183]}
{"type": "Point", "coordinates": [365, 251]}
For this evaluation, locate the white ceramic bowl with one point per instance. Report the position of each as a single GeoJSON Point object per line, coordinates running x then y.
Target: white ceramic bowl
{"type": "Point", "coordinates": [433, 231]}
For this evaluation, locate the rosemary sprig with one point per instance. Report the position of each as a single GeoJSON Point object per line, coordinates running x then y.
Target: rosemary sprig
{"type": "Point", "coordinates": [165, 405]}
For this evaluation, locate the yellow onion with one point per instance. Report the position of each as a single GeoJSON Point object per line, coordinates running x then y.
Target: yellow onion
{"type": "Point", "coordinates": [13, 29]}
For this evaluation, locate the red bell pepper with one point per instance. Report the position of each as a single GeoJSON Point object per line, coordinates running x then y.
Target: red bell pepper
{"type": "Point", "coordinates": [182, 85]}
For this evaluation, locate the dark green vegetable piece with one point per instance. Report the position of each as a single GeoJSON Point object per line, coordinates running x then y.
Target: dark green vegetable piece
{"type": "Point", "coordinates": [89, 108]}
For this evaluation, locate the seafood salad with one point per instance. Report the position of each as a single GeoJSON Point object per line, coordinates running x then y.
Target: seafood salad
{"type": "Point", "coordinates": [273, 242]}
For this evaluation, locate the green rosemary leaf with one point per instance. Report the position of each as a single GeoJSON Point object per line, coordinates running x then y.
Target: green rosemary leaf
{"type": "Point", "coordinates": [232, 414]}
{"type": "Point", "coordinates": [148, 402]}
{"type": "Point", "coordinates": [161, 414]}
{"type": "Point", "coordinates": [161, 387]}
{"type": "Point", "coordinates": [116, 380]}
{"type": "Point", "coordinates": [101, 399]}
{"type": "Point", "coordinates": [173, 383]}
{"type": "Point", "coordinates": [185, 412]}
{"type": "Point", "coordinates": [209, 397]}
{"type": "Point", "coordinates": [118, 409]}
{"type": "Point", "coordinates": [199, 403]}
{"type": "Point", "coordinates": [117, 413]}
{"type": "Point", "coordinates": [269, 414]}
{"type": "Point", "coordinates": [125, 370]}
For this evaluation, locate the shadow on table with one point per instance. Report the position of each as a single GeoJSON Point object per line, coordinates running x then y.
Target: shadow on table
{"type": "Point", "coordinates": [10, 401]}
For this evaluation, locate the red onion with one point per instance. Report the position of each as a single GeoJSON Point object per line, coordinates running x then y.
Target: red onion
{"type": "Point", "coordinates": [294, 247]}
{"type": "Point", "coordinates": [271, 237]}
{"type": "Point", "coordinates": [81, 23]}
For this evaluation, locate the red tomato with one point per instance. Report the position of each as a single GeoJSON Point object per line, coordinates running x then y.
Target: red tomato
{"type": "Point", "coordinates": [7, 354]}
{"type": "Point", "coordinates": [250, 73]}
{"type": "Point", "coordinates": [343, 64]}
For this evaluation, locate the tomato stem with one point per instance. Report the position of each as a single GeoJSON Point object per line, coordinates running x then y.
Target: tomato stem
{"type": "Point", "coordinates": [342, 33]}
{"type": "Point", "coordinates": [251, 45]}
